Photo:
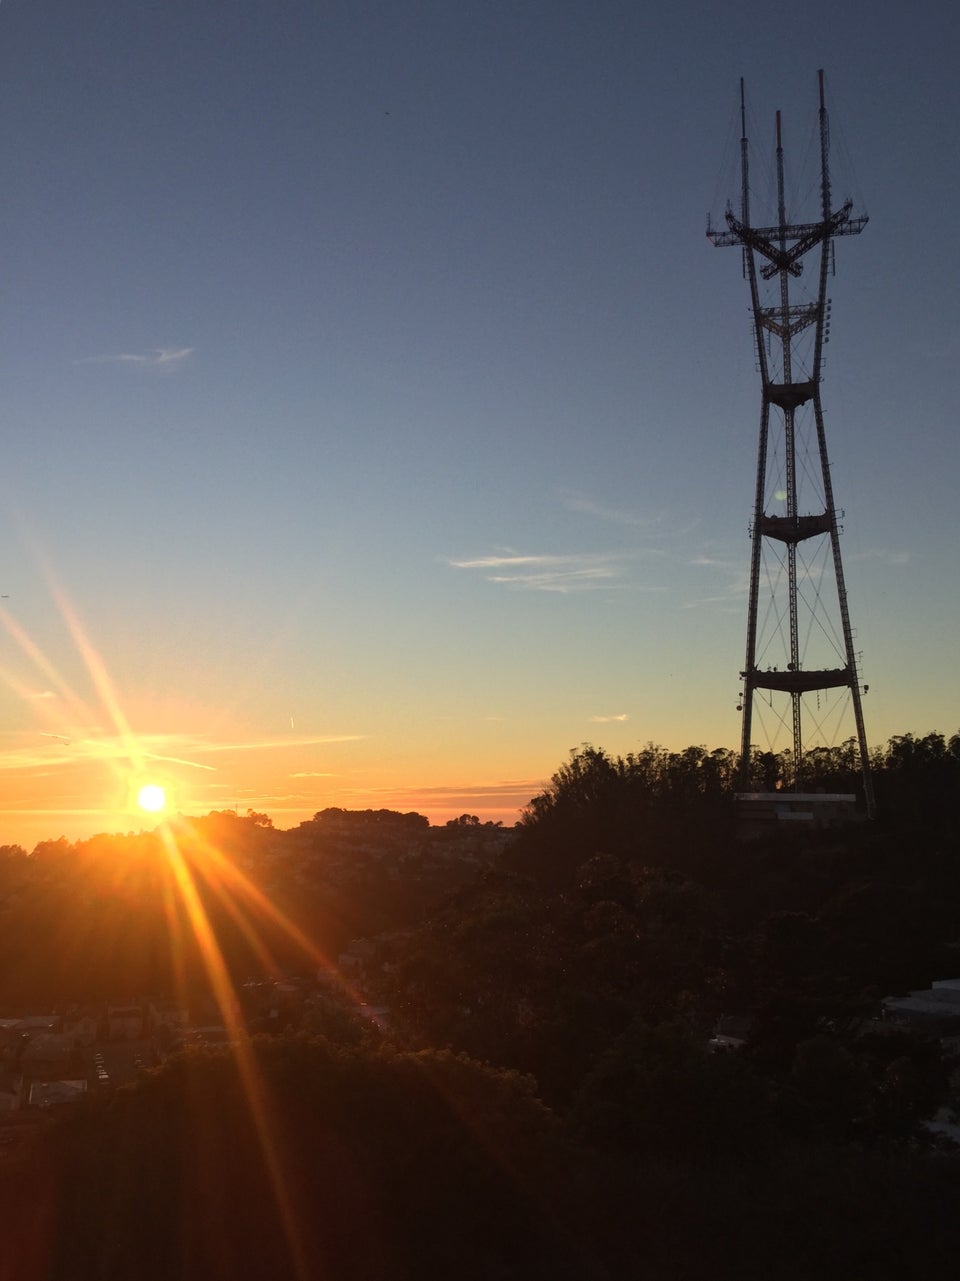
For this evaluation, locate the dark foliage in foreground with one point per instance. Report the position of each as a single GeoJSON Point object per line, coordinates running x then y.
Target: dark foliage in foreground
{"type": "Point", "coordinates": [293, 1157]}
{"type": "Point", "coordinates": [369, 1163]}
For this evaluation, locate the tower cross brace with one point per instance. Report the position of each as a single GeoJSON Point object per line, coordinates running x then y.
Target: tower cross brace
{"type": "Point", "coordinates": [774, 257]}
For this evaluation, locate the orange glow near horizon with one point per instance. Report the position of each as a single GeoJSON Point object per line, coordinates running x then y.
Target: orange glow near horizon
{"type": "Point", "coordinates": [81, 759]}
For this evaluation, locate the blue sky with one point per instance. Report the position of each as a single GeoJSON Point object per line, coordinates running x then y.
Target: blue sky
{"type": "Point", "coordinates": [376, 407]}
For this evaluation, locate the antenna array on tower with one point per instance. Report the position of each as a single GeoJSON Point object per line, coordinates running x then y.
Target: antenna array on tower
{"type": "Point", "coordinates": [801, 669]}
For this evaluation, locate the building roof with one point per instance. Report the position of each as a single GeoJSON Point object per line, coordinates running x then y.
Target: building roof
{"type": "Point", "coordinates": [45, 1094]}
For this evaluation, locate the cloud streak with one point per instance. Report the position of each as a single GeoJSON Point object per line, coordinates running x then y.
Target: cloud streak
{"type": "Point", "coordinates": [586, 506]}
{"type": "Point", "coordinates": [573, 572]}
{"type": "Point", "coordinates": [153, 359]}
{"type": "Point", "coordinates": [65, 750]}
{"type": "Point", "coordinates": [510, 794]}
{"type": "Point", "coordinates": [269, 744]}
{"type": "Point", "coordinates": [883, 554]}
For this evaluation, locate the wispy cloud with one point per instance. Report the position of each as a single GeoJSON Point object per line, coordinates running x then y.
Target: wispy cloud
{"type": "Point", "coordinates": [70, 750]}
{"type": "Point", "coordinates": [729, 579]}
{"type": "Point", "coordinates": [605, 720]}
{"type": "Point", "coordinates": [587, 506]}
{"type": "Point", "coordinates": [654, 524]}
{"type": "Point", "coordinates": [178, 760]}
{"type": "Point", "coordinates": [66, 749]}
{"type": "Point", "coordinates": [510, 787]}
{"type": "Point", "coordinates": [277, 801]}
{"type": "Point", "coordinates": [715, 562]}
{"type": "Point", "coordinates": [154, 358]}
{"type": "Point", "coordinates": [883, 554]}
{"type": "Point", "coordinates": [268, 744]}
{"type": "Point", "coordinates": [511, 794]}
{"type": "Point", "coordinates": [729, 576]}
{"type": "Point", "coordinates": [573, 572]}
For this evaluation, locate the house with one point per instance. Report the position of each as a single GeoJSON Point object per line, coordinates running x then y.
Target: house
{"type": "Point", "coordinates": [82, 1025]}
{"type": "Point", "coordinates": [9, 1092]}
{"type": "Point", "coordinates": [939, 1003]}
{"type": "Point", "coordinates": [935, 1012]}
{"type": "Point", "coordinates": [358, 956]}
{"type": "Point", "coordinates": [124, 1022]}
{"type": "Point", "coordinates": [48, 1094]}
{"type": "Point", "coordinates": [11, 1038]}
{"type": "Point", "coordinates": [47, 1055]}
{"type": "Point", "coordinates": [167, 1014]}
{"type": "Point", "coordinates": [378, 1015]}
{"type": "Point", "coordinates": [211, 1034]}
{"type": "Point", "coordinates": [760, 814]}
{"type": "Point", "coordinates": [732, 1031]}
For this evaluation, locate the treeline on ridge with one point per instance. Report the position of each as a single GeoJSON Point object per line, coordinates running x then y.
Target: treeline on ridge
{"type": "Point", "coordinates": [544, 1101]}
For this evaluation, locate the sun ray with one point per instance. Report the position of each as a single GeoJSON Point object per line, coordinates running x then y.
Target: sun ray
{"type": "Point", "coordinates": [99, 674]}
{"type": "Point", "coordinates": [254, 1086]}
{"type": "Point", "coordinates": [33, 651]}
{"type": "Point", "coordinates": [215, 864]}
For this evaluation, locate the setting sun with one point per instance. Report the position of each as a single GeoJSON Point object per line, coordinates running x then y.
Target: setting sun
{"type": "Point", "coordinates": [152, 798]}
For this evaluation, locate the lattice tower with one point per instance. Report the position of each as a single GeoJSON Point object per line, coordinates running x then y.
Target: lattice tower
{"type": "Point", "coordinates": [797, 611]}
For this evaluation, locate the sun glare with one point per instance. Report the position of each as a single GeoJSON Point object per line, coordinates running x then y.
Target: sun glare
{"type": "Point", "coordinates": [152, 798]}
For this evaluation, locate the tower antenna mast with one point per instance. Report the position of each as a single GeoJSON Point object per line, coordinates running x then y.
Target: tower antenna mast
{"type": "Point", "coordinates": [795, 533]}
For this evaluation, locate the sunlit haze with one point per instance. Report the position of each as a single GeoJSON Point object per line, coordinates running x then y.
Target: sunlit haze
{"type": "Point", "coordinates": [379, 422]}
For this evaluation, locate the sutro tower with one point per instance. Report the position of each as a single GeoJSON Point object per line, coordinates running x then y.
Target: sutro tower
{"type": "Point", "coordinates": [801, 669]}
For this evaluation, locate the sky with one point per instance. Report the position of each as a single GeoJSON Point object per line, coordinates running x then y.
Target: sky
{"type": "Point", "coordinates": [378, 422]}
